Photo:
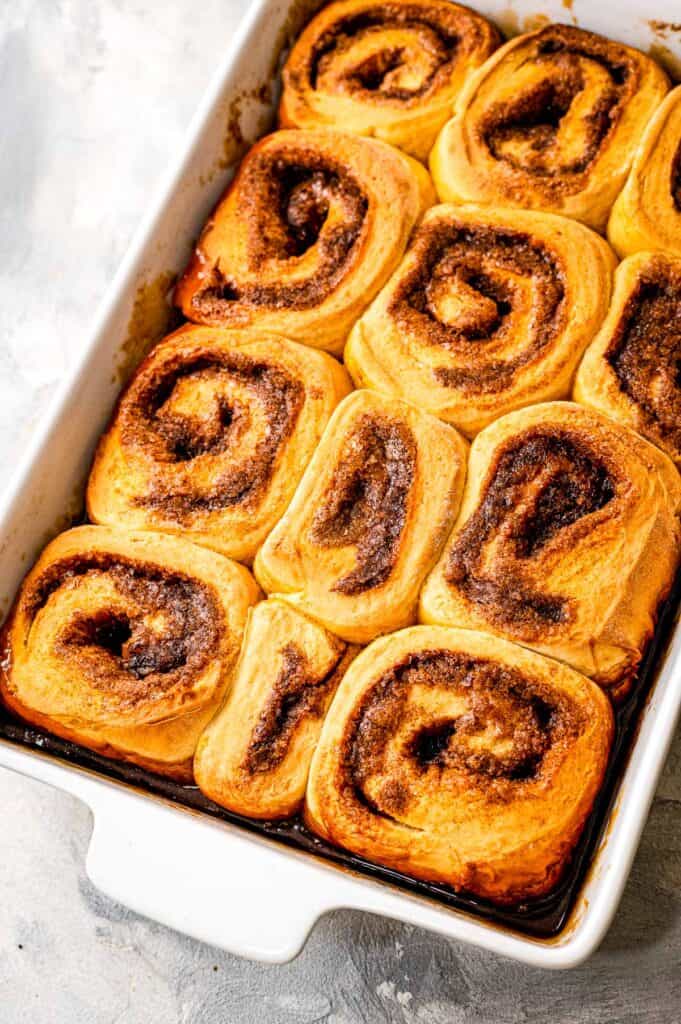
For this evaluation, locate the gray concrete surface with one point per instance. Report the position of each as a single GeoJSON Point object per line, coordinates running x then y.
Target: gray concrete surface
{"type": "Point", "coordinates": [95, 95]}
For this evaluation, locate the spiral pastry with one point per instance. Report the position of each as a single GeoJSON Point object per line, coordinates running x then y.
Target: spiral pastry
{"type": "Point", "coordinates": [255, 755]}
{"type": "Point", "coordinates": [456, 757]}
{"type": "Point", "coordinates": [647, 212]}
{"type": "Point", "coordinates": [488, 311]}
{"type": "Point", "coordinates": [631, 371]}
{"type": "Point", "coordinates": [212, 435]}
{"type": "Point", "coordinates": [551, 122]}
{"type": "Point", "coordinates": [123, 642]}
{"type": "Point", "coordinates": [368, 519]}
{"type": "Point", "coordinates": [566, 542]}
{"type": "Point", "coordinates": [309, 230]}
{"type": "Point", "coordinates": [391, 70]}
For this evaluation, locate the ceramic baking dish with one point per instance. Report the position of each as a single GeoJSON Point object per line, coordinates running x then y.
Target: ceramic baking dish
{"type": "Point", "coordinates": [156, 847]}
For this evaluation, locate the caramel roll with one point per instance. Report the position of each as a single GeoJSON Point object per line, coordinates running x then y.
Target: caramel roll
{"type": "Point", "coordinates": [631, 371]}
{"type": "Point", "coordinates": [123, 642]}
{"type": "Point", "coordinates": [309, 230]}
{"type": "Point", "coordinates": [368, 519]}
{"type": "Point", "coordinates": [647, 212]}
{"type": "Point", "coordinates": [488, 311]}
{"type": "Point", "coordinates": [212, 435]}
{"type": "Point", "coordinates": [255, 755]}
{"type": "Point", "coordinates": [459, 758]}
{"type": "Point", "coordinates": [391, 70]}
{"type": "Point", "coordinates": [566, 542]}
{"type": "Point", "coordinates": [551, 121]}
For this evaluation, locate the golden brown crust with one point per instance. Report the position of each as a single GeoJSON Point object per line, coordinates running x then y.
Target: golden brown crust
{"type": "Point", "coordinates": [566, 542]}
{"type": "Point", "coordinates": [391, 69]}
{"type": "Point", "coordinates": [647, 212]}
{"type": "Point", "coordinates": [255, 755]}
{"type": "Point", "coordinates": [631, 371]}
{"type": "Point", "coordinates": [212, 435]}
{"type": "Point", "coordinates": [551, 121]}
{"type": "Point", "coordinates": [457, 757]}
{"type": "Point", "coordinates": [309, 230]}
{"type": "Point", "coordinates": [368, 519]}
{"type": "Point", "coordinates": [123, 642]}
{"type": "Point", "coordinates": [490, 310]}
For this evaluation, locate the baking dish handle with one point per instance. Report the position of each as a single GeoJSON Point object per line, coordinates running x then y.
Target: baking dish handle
{"type": "Point", "coordinates": [248, 897]}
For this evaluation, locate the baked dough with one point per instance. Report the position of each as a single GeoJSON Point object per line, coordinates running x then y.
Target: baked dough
{"type": "Point", "coordinates": [552, 122]}
{"type": "Point", "coordinates": [459, 758]}
{"type": "Point", "coordinates": [212, 435]}
{"type": "Point", "coordinates": [123, 642]}
{"type": "Point", "coordinates": [566, 542]}
{"type": "Point", "coordinates": [490, 310]}
{"type": "Point", "coordinates": [254, 757]}
{"type": "Point", "coordinates": [368, 519]}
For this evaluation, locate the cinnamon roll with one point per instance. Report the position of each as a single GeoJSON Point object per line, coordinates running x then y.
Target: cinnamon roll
{"type": "Point", "coordinates": [647, 212]}
{"type": "Point", "coordinates": [631, 371]}
{"type": "Point", "coordinates": [255, 755]}
{"type": "Point", "coordinates": [309, 230]}
{"type": "Point", "coordinates": [551, 121]}
{"type": "Point", "coordinates": [212, 435]}
{"type": "Point", "coordinates": [488, 311]}
{"type": "Point", "coordinates": [123, 642]}
{"type": "Point", "coordinates": [368, 519]}
{"type": "Point", "coordinates": [391, 70]}
{"type": "Point", "coordinates": [566, 542]}
{"type": "Point", "coordinates": [459, 758]}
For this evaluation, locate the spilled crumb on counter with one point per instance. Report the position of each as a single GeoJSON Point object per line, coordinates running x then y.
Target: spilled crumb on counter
{"type": "Point", "coordinates": [152, 316]}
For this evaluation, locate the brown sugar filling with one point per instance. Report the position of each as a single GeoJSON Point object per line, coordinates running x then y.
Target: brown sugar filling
{"type": "Point", "coordinates": [541, 485]}
{"type": "Point", "coordinates": [285, 196]}
{"type": "Point", "coordinates": [297, 694]}
{"type": "Point", "coordinates": [481, 263]}
{"type": "Point", "coordinates": [499, 744]}
{"type": "Point", "coordinates": [645, 352]}
{"type": "Point", "coordinates": [170, 437]}
{"type": "Point", "coordinates": [366, 505]}
{"type": "Point", "coordinates": [375, 78]}
{"type": "Point", "coordinates": [534, 115]}
{"type": "Point", "coordinates": [160, 636]}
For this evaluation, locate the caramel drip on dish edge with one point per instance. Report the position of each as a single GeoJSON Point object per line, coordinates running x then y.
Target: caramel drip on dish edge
{"type": "Point", "coordinates": [539, 494]}
{"type": "Point", "coordinates": [297, 694]}
{"type": "Point", "coordinates": [497, 745]}
{"type": "Point", "coordinates": [174, 440]}
{"type": "Point", "coordinates": [285, 196]}
{"type": "Point", "coordinates": [645, 350]}
{"type": "Point", "coordinates": [162, 632]}
{"type": "Point", "coordinates": [355, 55]}
{"type": "Point", "coordinates": [367, 502]}
{"type": "Point", "coordinates": [461, 295]}
{"type": "Point", "coordinates": [523, 132]}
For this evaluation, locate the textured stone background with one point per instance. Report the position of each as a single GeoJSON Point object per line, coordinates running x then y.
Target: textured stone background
{"type": "Point", "coordinates": [95, 96]}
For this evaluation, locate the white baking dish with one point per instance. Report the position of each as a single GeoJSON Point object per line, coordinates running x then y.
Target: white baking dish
{"type": "Point", "coordinates": [205, 877]}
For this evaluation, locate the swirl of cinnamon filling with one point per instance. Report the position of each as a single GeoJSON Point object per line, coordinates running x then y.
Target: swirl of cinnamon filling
{"type": "Point", "coordinates": [123, 642]}
{"type": "Point", "coordinates": [255, 755]}
{"type": "Point", "coordinates": [566, 542]}
{"type": "Point", "coordinates": [647, 212]}
{"type": "Point", "coordinates": [390, 70]}
{"type": "Point", "coordinates": [456, 757]}
{"type": "Point", "coordinates": [212, 435]}
{"type": "Point", "coordinates": [632, 369]}
{"type": "Point", "coordinates": [487, 312]}
{"type": "Point", "coordinates": [368, 519]}
{"type": "Point", "coordinates": [551, 121]}
{"type": "Point", "coordinates": [309, 230]}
